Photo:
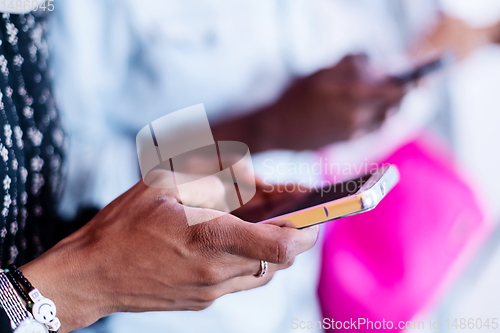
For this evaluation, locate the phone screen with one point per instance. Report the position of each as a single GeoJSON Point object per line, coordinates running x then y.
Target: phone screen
{"type": "Point", "coordinates": [264, 208]}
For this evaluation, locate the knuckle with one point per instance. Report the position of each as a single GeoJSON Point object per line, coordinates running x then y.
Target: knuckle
{"type": "Point", "coordinates": [289, 263]}
{"type": "Point", "coordinates": [162, 198]}
{"type": "Point", "coordinates": [210, 276]}
{"type": "Point", "coordinates": [208, 297]}
{"type": "Point", "coordinates": [217, 193]}
{"type": "Point", "coordinates": [208, 237]}
{"type": "Point", "coordinates": [201, 306]}
{"type": "Point", "coordinates": [283, 253]}
{"type": "Point", "coordinates": [264, 281]}
{"type": "Point", "coordinates": [217, 184]}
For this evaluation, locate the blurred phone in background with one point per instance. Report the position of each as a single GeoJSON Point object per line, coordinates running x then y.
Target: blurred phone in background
{"type": "Point", "coordinates": [436, 65]}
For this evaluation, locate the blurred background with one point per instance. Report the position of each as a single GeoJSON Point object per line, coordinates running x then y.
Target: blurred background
{"type": "Point", "coordinates": [281, 64]}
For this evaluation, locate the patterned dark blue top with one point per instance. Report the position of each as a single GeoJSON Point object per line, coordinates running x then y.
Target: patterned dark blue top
{"type": "Point", "coordinates": [31, 140]}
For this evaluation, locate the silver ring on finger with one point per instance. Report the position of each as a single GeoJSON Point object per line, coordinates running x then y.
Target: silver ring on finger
{"type": "Point", "coordinates": [263, 269]}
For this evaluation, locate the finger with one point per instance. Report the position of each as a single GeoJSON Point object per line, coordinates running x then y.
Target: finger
{"type": "Point", "coordinates": [195, 191]}
{"type": "Point", "coordinates": [209, 294]}
{"type": "Point", "coordinates": [386, 91]}
{"type": "Point", "coordinates": [372, 111]}
{"type": "Point", "coordinates": [231, 266]}
{"type": "Point", "coordinates": [352, 66]}
{"type": "Point", "coordinates": [281, 223]}
{"type": "Point", "coordinates": [384, 110]}
{"type": "Point", "coordinates": [248, 282]}
{"type": "Point", "coordinates": [364, 116]}
{"type": "Point", "coordinates": [268, 242]}
{"type": "Point", "coordinates": [234, 266]}
{"type": "Point", "coordinates": [160, 178]}
{"type": "Point", "coordinates": [242, 283]}
{"type": "Point", "coordinates": [207, 192]}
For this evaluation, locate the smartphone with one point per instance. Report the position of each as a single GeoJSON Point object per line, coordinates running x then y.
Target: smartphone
{"type": "Point", "coordinates": [435, 65]}
{"type": "Point", "coordinates": [314, 206]}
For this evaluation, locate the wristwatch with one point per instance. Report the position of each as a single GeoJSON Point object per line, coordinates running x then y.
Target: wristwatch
{"type": "Point", "coordinates": [21, 320]}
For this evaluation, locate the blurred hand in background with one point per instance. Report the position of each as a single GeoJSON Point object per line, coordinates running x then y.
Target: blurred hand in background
{"type": "Point", "coordinates": [334, 104]}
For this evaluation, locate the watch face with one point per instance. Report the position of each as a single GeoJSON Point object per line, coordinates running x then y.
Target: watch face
{"type": "Point", "coordinates": [31, 326]}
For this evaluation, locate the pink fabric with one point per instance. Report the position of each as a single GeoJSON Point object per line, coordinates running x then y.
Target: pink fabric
{"type": "Point", "coordinates": [390, 262]}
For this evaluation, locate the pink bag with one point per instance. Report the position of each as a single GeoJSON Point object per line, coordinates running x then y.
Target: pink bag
{"type": "Point", "coordinates": [393, 262]}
